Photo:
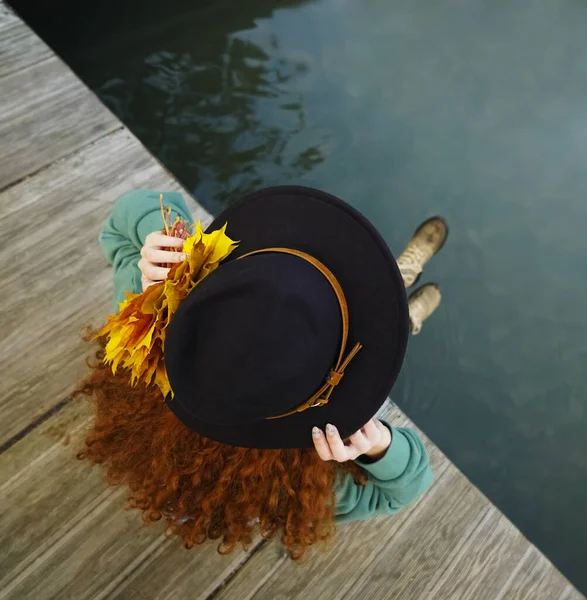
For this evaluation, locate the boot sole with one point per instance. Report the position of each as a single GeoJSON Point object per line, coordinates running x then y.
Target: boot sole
{"type": "Point", "coordinates": [422, 225]}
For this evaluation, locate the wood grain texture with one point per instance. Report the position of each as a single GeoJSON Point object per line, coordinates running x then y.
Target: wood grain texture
{"type": "Point", "coordinates": [483, 562]}
{"type": "Point", "coordinates": [174, 572]}
{"type": "Point", "coordinates": [46, 113]}
{"type": "Point", "coordinates": [535, 577]}
{"type": "Point", "coordinates": [486, 561]}
{"type": "Point", "coordinates": [57, 281]}
{"type": "Point", "coordinates": [19, 46]}
{"type": "Point", "coordinates": [65, 534]}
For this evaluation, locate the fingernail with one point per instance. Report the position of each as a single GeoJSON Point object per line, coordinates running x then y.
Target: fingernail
{"type": "Point", "coordinates": [183, 256]}
{"type": "Point", "coordinates": [315, 432]}
{"type": "Point", "coordinates": [330, 429]}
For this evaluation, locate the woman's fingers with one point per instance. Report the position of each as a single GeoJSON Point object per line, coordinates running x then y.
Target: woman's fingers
{"type": "Point", "coordinates": [321, 444]}
{"type": "Point", "coordinates": [156, 273]}
{"type": "Point", "coordinates": [372, 432]}
{"type": "Point", "coordinates": [153, 256]}
{"type": "Point", "coordinates": [152, 271]}
{"type": "Point", "coordinates": [339, 451]}
{"type": "Point", "coordinates": [332, 447]}
{"type": "Point", "coordinates": [162, 256]}
{"type": "Point", "coordinates": [360, 442]}
{"type": "Point", "coordinates": [160, 240]}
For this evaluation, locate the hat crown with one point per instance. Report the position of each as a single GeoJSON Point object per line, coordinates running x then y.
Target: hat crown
{"type": "Point", "coordinates": [254, 339]}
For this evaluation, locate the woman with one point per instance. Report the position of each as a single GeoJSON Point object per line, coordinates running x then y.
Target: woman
{"type": "Point", "coordinates": [261, 417]}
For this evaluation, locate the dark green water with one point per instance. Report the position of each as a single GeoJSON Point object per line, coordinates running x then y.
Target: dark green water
{"type": "Point", "coordinates": [473, 110]}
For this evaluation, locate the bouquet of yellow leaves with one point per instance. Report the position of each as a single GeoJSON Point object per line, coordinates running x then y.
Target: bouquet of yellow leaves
{"type": "Point", "coordinates": [135, 335]}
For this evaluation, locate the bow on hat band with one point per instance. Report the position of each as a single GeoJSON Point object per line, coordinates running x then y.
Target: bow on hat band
{"type": "Point", "coordinates": [322, 396]}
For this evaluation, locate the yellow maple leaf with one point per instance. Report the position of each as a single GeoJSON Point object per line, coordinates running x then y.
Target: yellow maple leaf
{"type": "Point", "coordinates": [136, 334]}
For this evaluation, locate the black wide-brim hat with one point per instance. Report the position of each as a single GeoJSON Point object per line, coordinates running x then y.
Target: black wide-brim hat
{"type": "Point", "coordinates": [257, 337]}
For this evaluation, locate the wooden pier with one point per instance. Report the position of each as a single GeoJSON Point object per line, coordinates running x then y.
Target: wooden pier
{"type": "Point", "coordinates": [64, 534]}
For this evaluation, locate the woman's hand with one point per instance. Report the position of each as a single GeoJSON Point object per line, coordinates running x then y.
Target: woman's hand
{"type": "Point", "coordinates": [372, 440]}
{"type": "Point", "coordinates": [153, 256]}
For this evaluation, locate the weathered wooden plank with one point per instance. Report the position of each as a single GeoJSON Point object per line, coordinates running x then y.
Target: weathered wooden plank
{"type": "Point", "coordinates": [178, 573]}
{"type": "Point", "coordinates": [55, 279]}
{"type": "Point", "coordinates": [46, 113]}
{"type": "Point", "coordinates": [66, 534]}
{"type": "Point", "coordinates": [19, 46]}
{"type": "Point", "coordinates": [570, 593]}
{"type": "Point", "coordinates": [6, 14]}
{"type": "Point", "coordinates": [65, 427]}
{"type": "Point", "coordinates": [535, 577]}
{"type": "Point", "coordinates": [483, 562]}
{"type": "Point", "coordinates": [35, 503]}
{"type": "Point", "coordinates": [262, 568]}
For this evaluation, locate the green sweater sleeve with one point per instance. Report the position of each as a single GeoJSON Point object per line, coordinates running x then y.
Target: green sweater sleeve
{"type": "Point", "coordinates": [395, 480]}
{"type": "Point", "coordinates": [134, 215]}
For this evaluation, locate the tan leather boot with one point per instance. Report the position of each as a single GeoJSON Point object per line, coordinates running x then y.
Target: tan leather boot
{"type": "Point", "coordinates": [425, 243]}
{"type": "Point", "coordinates": [422, 303]}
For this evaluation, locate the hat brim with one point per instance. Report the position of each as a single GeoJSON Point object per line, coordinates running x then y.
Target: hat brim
{"type": "Point", "coordinates": [349, 245]}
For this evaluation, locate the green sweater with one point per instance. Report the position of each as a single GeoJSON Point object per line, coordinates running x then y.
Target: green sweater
{"type": "Point", "coordinates": [395, 480]}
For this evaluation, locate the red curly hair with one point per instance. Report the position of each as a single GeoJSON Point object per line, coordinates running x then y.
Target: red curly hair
{"type": "Point", "coordinates": [205, 489]}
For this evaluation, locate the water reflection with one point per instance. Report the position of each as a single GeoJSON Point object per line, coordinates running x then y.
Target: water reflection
{"type": "Point", "coordinates": [215, 99]}
{"type": "Point", "coordinates": [224, 126]}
